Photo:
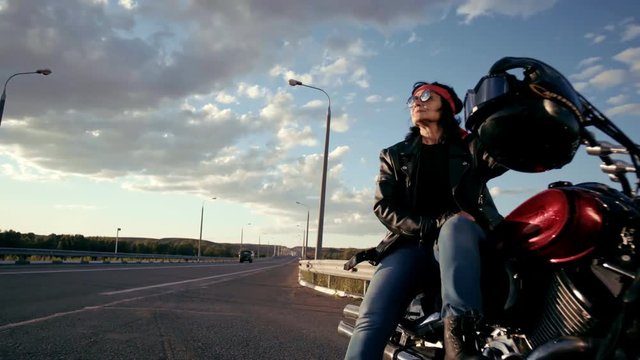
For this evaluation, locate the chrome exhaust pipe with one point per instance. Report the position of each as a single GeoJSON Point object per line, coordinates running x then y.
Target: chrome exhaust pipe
{"type": "Point", "coordinates": [345, 329]}
{"type": "Point", "coordinates": [351, 311]}
{"type": "Point", "coordinates": [391, 352]}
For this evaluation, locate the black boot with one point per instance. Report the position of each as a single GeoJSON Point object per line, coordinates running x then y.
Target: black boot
{"type": "Point", "coordinates": [460, 338]}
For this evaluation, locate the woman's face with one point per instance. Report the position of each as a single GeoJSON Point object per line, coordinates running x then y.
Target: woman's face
{"type": "Point", "coordinates": [429, 110]}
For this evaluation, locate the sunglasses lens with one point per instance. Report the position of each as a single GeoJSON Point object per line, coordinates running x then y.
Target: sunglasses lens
{"type": "Point", "coordinates": [426, 95]}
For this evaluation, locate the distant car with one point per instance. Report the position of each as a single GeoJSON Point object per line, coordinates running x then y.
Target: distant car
{"type": "Point", "coordinates": [246, 255]}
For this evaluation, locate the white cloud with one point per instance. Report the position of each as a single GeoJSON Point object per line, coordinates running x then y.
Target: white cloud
{"type": "Point", "coordinates": [626, 109]}
{"type": "Point", "coordinates": [372, 99]}
{"type": "Point", "coordinates": [608, 78]}
{"type": "Point", "coordinates": [498, 191]}
{"type": "Point", "coordinates": [587, 73]}
{"type": "Point", "coordinates": [340, 123]}
{"type": "Point", "coordinates": [315, 104]}
{"type": "Point", "coordinates": [252, 91]}
{"type": "Point", "coordinates": [339, 152]}
{"type": "Point", "coordinates": [360, 77]}
{"type": "Point", "coordinates": [472, 9]}
{"type": "Point", "coordinates": [631, 57]}
{"type": "Point", "coordinates": [225, 98]}
{"type": "Point", "coordinates": [292, 136]}
{"type": "Point", "coordinates": [617, 100]}
{"type": "Point", "coordinates": [413, 38]}
{"type": "Point", "coordinates": [580, 86]}
{"type": "Point", "coordinates": [128, 4]}
{"type": "Point", "coordinates": [212, 112]}
{"type": "Point", "coordinates": [588, 62]}
{"type": "Point", "coordinates": [336, 68]}
{"type": "Point", "coordinates": [595, 38]}
{"type": "Point", "coordinates": [631, 32]}
{"type": "Point", "coordinates": [287, 74]}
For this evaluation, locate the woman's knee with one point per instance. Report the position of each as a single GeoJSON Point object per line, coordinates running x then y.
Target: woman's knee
{"type": "Point", "coordinates": [459, 233]}
{"type": "Point", "coordinates": [459, 223]}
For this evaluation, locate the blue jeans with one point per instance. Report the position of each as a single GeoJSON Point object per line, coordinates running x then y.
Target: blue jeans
{"type": "Point", "coordinates": [458, 252]}
{"type": "Point", "coordinates": [406, 271]}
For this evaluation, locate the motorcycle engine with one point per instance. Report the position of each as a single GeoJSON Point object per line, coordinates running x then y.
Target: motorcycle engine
{"type": "Point", "coordinates": [580, 237]}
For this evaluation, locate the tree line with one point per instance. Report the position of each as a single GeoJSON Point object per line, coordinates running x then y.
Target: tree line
{"type": "Point", "coordinates": [188, 247]}
{"type": "Point", "coordinates": [168, 246]}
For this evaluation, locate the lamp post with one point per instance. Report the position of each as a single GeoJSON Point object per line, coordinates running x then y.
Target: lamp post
{"type": "Point", "coordinates": [323, 188]}
{"type": "Point", "coordinates": [4, 90]}
{"type": "Point", "coordinates": [117, 236]}
{"type": "Point", "coordinates": [201, 220]}
{"type": "Point", "coordinates": [242, 235]}
{"type": "Point", "coordinates": [306, 238]}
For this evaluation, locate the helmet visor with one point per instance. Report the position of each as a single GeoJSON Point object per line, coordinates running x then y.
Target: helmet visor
{"type": "Point", "coordinates": [487, 89]}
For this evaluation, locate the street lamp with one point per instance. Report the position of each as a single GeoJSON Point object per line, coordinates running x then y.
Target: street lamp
{"type": "Point", "coordinates": [4, 90]}
{"type": "Point", "coordinates": [306, 238]}
{"type": "Point", "coordinates": [201, 220]}
{"type": "Point", "coordinates": [117, 235]}
{"type": "Point", "coordinates": [323, 188]}
{"type": "Point", "coordinates": [242, 235]}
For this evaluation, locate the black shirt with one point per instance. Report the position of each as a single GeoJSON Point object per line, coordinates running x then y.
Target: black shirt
{"type": "Point", "coordinates": [433, 188]}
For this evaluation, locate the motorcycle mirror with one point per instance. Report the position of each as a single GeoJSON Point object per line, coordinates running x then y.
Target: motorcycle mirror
{"type": "Point", "coordinates": [606, 148]}
{"type": "Point", "coordinates": [617, 167]}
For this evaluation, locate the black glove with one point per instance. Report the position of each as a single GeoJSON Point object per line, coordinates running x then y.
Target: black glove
{"type": "Point", "coordinates": [483, 164]}
{"type": "Point", "coordinates": [370, 254]}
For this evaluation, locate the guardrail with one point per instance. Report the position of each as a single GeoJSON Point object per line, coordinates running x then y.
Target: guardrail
{"type": "Point", "coordinates": [23, 255]}
{"type": "Point", "coordinates": [329, 276]}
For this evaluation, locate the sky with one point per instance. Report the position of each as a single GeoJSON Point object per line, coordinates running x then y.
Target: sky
{"type": "Point", "coordinates": [156, 107]}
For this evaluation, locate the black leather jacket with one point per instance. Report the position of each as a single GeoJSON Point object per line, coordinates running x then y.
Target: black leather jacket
{"type": "Point", "coordinates": [396, 193]}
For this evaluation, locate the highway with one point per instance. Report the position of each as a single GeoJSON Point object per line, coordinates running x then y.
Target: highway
{"type": "Point", "coordinates": [166, 311]}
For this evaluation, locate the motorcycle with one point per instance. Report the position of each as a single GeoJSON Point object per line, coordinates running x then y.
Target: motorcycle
{"type": "Point", "coordinates": [566, 281]}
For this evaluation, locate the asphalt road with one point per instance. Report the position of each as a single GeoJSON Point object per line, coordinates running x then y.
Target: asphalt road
{"type": "Point", "coordinates": [166, 311]}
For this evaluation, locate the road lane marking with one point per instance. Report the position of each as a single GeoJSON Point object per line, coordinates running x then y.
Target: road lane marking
{"type": "Point", "coordinates": [185, 281]}
{"type": "Point", "coordinates": [98, 307]}
{"type": "Point", "coordinates": [112, 269]}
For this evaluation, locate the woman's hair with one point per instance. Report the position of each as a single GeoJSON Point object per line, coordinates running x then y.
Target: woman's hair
{"type": "Point", "coordinates": [450, 124]}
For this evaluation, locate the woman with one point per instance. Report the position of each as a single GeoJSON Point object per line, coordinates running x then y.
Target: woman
{"type": "Point", "coordinates": [431, 196]}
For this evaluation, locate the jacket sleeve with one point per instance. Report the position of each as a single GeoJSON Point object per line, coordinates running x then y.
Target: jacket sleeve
{"type": "Point", "coordinates": [472, 194]}
{"type": "Point", "coordinates": [389, 206]}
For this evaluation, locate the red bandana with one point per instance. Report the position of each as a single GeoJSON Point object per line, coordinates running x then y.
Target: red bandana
{"type": "Point", "coordinates": [440, 91]}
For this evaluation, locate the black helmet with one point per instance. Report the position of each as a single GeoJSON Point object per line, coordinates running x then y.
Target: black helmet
{"type": "Point", "coordinates": [528, 125]}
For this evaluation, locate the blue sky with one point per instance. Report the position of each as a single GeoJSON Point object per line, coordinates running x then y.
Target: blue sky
{"type": "Point", "coordinates": [154, 107]}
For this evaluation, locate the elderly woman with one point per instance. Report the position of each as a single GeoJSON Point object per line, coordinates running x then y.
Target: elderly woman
{"type": "Point", "coordinates": [437, 209]}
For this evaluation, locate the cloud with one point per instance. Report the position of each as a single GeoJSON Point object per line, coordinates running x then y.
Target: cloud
{"type": "Point", "coordinates": [127, 4]}
{"type": "Point", "coordinates": [595, 38]}
{"type": "Point", "coordinates": [588, 62]}
{"type": "Point", "coordinates": [608, 78]}
{"type": "Point", "coordinates": [413, 38]}
{"type": "Point", "coordinates": [225, 98]}
{"type": "Point", "coordinates": [472, 9]}
{"type": "Point", "coordinates": [630, 32]}
{"type": "Point", "coordinates": [631, 57]}
{"type": "Point", "coordinates": [597, 76]}
{"type": "Point", "coordinates": [626, 109]}
{"type": "Point", "coordinates": [498, 191]}
{"type": "Point", "coordinates": [252, 91]}
{"type": "Point", "coordinates": [587, 73]}
{"type": "Point", "coordinates": [617, 100]}
{"type": "Point", "coordinates": [372, 99]}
